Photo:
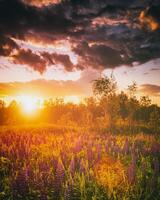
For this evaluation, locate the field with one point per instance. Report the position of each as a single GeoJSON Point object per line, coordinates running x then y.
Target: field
{"type": "Point", "coordinates": [45, 163]}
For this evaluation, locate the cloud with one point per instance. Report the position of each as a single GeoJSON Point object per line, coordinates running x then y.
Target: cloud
{"type": "Point", "coordinates": [39, 61]}
{"type": "Point", "coordinates": [51, 88]}
{"type": "Point", "coordinates": [150, 89]}
{"type": "Point", "coordinates": [155, 69]}
{"type": "Point", "coordinates": [7, 45]}
{"type": "Point", "coordinates": [41, 3]}
{"type": "Point", "coordinates": [44, 88]}
{"type": "Point", "coordinates": [18, 18]}
{"type": "Point", "coordinates": [145, 73]}
{"type": "Point", "coordinates": [27, 57]}
{"type": "Point", "coordinates": [62, 59]}
{"type": "Point", "coordinates": [104, 34]}
{"type": "Point", "coordinates": [151, 17]}
{"type": "Point", "coordinates": [99, 56]}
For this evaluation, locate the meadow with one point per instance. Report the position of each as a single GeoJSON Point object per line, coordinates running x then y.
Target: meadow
{"type": "Point", "coordinates": [105, 148]}
{"type": "Point", "coordinates": [49, 162]}
{"type": "Point", "coordinates": [68, 129]}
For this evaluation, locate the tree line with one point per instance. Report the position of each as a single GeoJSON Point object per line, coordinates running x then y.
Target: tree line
{"type": "Point", "coordinates": [107, 110]}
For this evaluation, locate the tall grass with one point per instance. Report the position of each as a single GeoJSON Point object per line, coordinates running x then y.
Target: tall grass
{"type": "Point", "coordinates": [44, 164]}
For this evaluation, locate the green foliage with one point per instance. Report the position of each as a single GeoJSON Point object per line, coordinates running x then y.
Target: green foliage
{"type": "Point", "coordinates": [108, 110]}
{"type": "Point", "coordinates": [104, 86]}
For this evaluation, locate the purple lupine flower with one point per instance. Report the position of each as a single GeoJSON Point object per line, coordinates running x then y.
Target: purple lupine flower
{"type": "Point", "coordinates": [134, 157]}
{"type": "Point", "coordinates": [143, 167]}
{"type": "Point", "coordinates": [155, 149]}
{"type": "Point", "coordinates": [106, 147]}
{"type": "Point", "coordinates": [154, 178]}
{"type": "Point", "coordinates": [43, 196]}
{"type": "Point", "coordinates": [156, 166]}
{"type": "Point", "coordinates": [132, 170]}
{"type": "Point", "coordinates": [131, 173]}
{"type": "Point", "coordinates": [44, 167]}
{"type": "Point", "coordinates": [68, 191]}
{"type": "Point", "coordinates": [28, 171]}
{"type": "Point", "coordinates": [64, 157]}
{"type": "Point", "coordinates": [82, 167]}
{"type": "Point", "coordinates": [72, 166]}
{"type": "Point", "coordinates": [78, 146]}
{"type": "Point", "coordinates": [115, 149]}
{"type": "Point", "coordinates": [20, 185]}
{"type": "Point", "coordinates": [90, 156]}
{"type": "Point", "coordinates": [54, 161]}
{"type": "Point", "coordinates": [99, 152]}
{"type": "Point", "coordinates": [144, 171]}
{"type": "Point", "coordinates": [126, 147]}
{"type": "Point", "coordinates": [59, 178]}
{"type": "Point", "coordinates": [60, 171]}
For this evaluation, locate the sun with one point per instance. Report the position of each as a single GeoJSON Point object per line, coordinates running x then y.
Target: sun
{"type": "Point", "coordinates": [29, 106]}
{"type": "Point", "coordinates": [28, 103]}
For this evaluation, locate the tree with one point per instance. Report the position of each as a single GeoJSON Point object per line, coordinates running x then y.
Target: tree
{"type": "Point", "coordinates": [132, 89]}
{"type": "Point", "coordinates": [132, 104]}
{"type": "Point", "coordinates": [2, 112]}
{"type": "Point", "coordinates": [104, 86]}
{"type": "Point", "coordinates": [145, 101]}
{"type": "Point", "coordinates": [13, 115]}
{"type": "Point", "coordinates": [155, 118]}
{"type": "Point", "coordinates": [123, 105]}
{"type": "Point", "coordinates": [105, 89]}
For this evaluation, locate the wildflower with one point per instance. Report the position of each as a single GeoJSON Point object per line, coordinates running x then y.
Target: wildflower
{"type": "Point", "coordinates": [156, 165]}
{"type": "Point", "coordinates": [59, 178]}
{"type": "Point", "coordinates": [155, 149]}
{"type": "Point", "coordinates": [82, 167]}
{"type": "Point", "coordinates": [99, 152]}
{"type": "Point", "coordinates": [132, 170]}
{"type": "Point", "coordinates": [68, 191]}
{"type": "Point", "coordinates": [126, 147]}
{"type": "Point", "coordinates": [110, 173]}
{"type": "Point", "coordinates": [72, 166]}
{"type": "Point", "coordinates": [20, 185]}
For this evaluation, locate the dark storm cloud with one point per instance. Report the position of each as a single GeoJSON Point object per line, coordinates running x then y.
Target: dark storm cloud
{"type": "Point", "coordinates": [16, 18]}
{"type": "Point", "coordinates": [99, 56]}
{"type": "Point", "coordinates": [7, 45]}
{"type": "Point", "coordinates": [40, 61]}
{"type": "Point", "coordinates": [104, 34]}
{"type": "Point", "coordinates": [153, 90]}
{"type": "Point", "coordinates": [27, 57]}
{"type": "Point", "coordinates": [59, 59]}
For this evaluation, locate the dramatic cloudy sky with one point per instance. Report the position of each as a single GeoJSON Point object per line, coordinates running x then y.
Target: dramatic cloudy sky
{"type": "Point", "coordinates": [56, 48]}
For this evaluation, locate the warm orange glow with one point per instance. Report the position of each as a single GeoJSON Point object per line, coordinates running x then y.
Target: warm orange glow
{"type": "Point", "coordinates": [110, 173]}
{"type": "Point", "coordinates": [72, 99]}
{"type": "Point", "coordinates": [149, 21]}
{"type": "Point", "coordinates": [40, 3]}
{"type": "Point", "coordinates": [29, 103]}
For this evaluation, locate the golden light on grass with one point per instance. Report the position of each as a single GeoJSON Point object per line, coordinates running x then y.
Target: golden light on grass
{"type": "Point", "coordinates": [110, 173]}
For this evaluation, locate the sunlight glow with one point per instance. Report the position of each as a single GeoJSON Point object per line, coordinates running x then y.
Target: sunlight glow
{"type": "Point", "coordinates": [29, 103]}
{"type": "Point", "coordinates": [72, 99]}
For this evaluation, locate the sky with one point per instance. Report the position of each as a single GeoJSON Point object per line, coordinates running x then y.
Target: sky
{"type": "Point", "coordinates": [53, 48]}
